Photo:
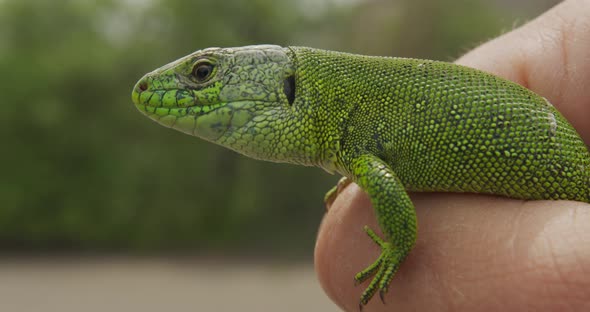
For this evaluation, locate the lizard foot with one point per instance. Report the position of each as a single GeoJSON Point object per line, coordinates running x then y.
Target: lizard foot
{"type": "Point", "coordinates": [382, 269]}
{"type": "Point", "coordinates": [333, 192]}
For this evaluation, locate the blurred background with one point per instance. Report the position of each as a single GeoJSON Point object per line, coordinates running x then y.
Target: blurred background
{"type": "Point", "coordinates": [103, 209]}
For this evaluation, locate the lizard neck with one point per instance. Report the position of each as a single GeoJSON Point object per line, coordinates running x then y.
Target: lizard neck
{"type": "Point", "coordinates": [273, 135]}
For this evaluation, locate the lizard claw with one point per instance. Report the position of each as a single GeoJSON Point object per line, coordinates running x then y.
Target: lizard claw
{"type": "Point", "coordinates": [382, 295]}
{"type": "Point", "coordinates": [331, 195]}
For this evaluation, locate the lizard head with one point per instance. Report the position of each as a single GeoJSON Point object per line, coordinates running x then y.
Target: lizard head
{"type": "Point", "coordinates": [241, 98]}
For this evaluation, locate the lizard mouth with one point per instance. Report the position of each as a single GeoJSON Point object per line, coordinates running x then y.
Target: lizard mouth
{"type": "Point", "coordinates": [169, 102]}
{"type": "Point", "coordinates": [186, 114]}
{"type": "Point", "coordinates": [195, 110]}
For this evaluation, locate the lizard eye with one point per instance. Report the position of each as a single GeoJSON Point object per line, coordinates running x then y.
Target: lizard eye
{"type": "Point", "coordinates": [202, 71]}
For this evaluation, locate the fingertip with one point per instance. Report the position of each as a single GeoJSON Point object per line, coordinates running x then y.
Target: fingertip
{"type": "Point", "coordinates": [469, 248]}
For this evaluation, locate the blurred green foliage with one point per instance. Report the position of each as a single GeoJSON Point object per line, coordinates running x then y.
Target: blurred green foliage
{"type": "Point", "coordinates": [84, 171]}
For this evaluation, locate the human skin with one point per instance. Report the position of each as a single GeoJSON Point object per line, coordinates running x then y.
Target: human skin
{"type": "Point", "coordinates": [477, 252]}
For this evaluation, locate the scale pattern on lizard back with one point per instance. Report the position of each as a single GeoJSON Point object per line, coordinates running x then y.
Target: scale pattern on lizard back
{"type": "Point", "coordinates": [443, 127]}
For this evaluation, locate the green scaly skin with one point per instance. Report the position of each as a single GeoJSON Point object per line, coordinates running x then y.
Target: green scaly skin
{"type": "Point", "coordinates": [388, 124]}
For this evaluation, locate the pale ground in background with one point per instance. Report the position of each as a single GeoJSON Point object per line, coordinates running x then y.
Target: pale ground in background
{"type": "Point", "coordinates": [145, 285]}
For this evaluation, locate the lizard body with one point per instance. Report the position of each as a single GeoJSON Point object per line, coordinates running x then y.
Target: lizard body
{"type": "Point", "coordinates": [389, 124]}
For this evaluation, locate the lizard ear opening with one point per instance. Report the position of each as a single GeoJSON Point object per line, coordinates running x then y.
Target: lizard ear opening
{"type": "Point", "coordinates": [289, 88]}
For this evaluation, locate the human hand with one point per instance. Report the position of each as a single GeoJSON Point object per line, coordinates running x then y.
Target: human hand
{"type": "Point", "coordinates": [477, 252]}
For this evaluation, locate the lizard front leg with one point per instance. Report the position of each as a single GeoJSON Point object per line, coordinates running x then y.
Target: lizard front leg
{"type": "Point", "coordinates": [396, 216]}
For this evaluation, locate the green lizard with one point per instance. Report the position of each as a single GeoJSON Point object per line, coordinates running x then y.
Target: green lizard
{"type": "Point", "coordinates": [389, 124]}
